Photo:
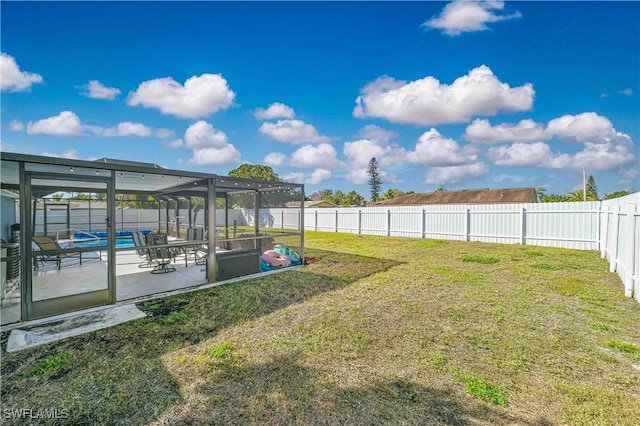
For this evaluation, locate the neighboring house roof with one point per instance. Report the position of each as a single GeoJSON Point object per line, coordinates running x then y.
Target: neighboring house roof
{"type": "Point", "coordinates": [465, 196]}
{"type": "Point", "coordinates": [311, 204]}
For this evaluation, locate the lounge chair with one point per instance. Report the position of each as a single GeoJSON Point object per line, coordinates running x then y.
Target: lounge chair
{"type": "Point", "coordinates": [48, 244]}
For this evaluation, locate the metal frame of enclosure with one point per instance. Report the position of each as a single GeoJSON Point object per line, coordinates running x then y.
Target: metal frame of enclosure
{"type": "Point", "coordinates": [34, 179]}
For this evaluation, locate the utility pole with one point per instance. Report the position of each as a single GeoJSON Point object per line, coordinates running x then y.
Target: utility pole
{"type": "Point", "coordinates": [584, 184]}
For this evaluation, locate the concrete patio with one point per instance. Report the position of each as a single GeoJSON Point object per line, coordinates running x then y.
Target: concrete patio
{"type": "Point", "coordinates": [132, 281]}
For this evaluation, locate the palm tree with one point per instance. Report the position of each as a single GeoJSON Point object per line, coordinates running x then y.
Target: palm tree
{"type": "Point", "coordinates": [577, 195]}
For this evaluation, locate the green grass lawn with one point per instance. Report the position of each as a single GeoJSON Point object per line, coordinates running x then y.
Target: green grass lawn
{"type": "Point", "coordinates": [374, 330]}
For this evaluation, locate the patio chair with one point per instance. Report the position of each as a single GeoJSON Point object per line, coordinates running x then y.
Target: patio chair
{"type": "Point", "coordinates": [200, 253]}
{"type": "Point", "coordinates": [160, 256]}
{"type": "Point", "coordinates": [195, 234]}
{"type": "Point", "coordinates": [46, 244]}
{"type": "Point", "coordinates": [140, 243]}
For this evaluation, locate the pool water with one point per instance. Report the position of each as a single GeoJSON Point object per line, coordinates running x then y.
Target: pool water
{"type": "Point", "coordinates": [126, 242]}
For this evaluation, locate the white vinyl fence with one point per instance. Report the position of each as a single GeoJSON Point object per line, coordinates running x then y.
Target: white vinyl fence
{"type": "Point", "coordinates": [612, 227]}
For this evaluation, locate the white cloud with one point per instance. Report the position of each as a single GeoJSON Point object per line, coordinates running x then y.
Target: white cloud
{"type": "Point", "coordinates": [293, 131]}
{"type": "Point", "coordinates": [210, 146]}
{"type": "Point", "coordinates": [275, 159]}
{"type": "Point", "coordinates": [585, 127]}
{"type": "Point", "coordinates": [176, 143]}
{"type": "Point", "coordinates": [71, 154]}
{"type": "Point", "coordinates": [215, 156]}
{"type": "Point", "coordinates": [164, 133]}
{"type": "Point", "coordinates": [510, 178]}
{"type": "Point", "coordinates": [96, 90]}
{"type": "Point", "coordinates": [469, 16]}
{"type": "Point", "coordinates": [455, 174]}
{"type": "Point", "coordinates": [630, 175]}
{"type": "Point", "coordinates": [16, 125]}
{"type": "Point", "coordinates": [127, 128]}
{"type": "Point", "coordinates": [317, 176]}
{"type": "Point", "coordinates": [593, 156]}
{"type": "Point", "coordinates": [64, 124]}
{"type": "Point", "coordinates": [604, 147]}
{"type": "Point", "coordinates": [275, 110]}
{"type": "Point", "coordinates": [14, 80]}
{"type": "Point", "coordinates": [360, 152]}
{"type": "Point", "coordinates": [428, 102]}
{"type": "Point", "coordinates": [480, 131]}
{"type": "Point", "coordinates": [295, 177]}
{"type": "Point", "coordinates": [202, 135]}
{"type": "Point", "coordinates": [627, 92]}
{"type": "Point", "coordinates": [358, 176]}
{"type": "Point", "coordinates": [322, 156]}
{"type": "Point", "coordinates": [433, 149]}
{"type": "Point", "coordinates": [520, 154]}
{"type": "Point", "coordinates": [603, 156]}
{"type": "Point", "coordinates": [199, 97]}
{"type": "Point", "coordinates": [377, 133]}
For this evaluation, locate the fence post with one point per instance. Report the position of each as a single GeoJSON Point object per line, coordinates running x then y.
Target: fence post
{"type": "Point", "coordinates": [604, 236]}
{"type": "Point", "coordinates": [423, 231]}
{"type": "Point", "coordinates": [523, 226]}
{"type": "Point", "coordinates": [467, 223]}
{"type": "Point", "coordinates": [315, 220]}
{"type": "Point", "coordinates": [282, 219]}
{"type": "Point", "coordinates": [388, 222]}
{"type": "Point", "coordinates": [359, 222]}
{"type": "Point", "coordinates": [336, 220]}
{"type": "Point", "coordinates": [598, 226]}
{"type": "Point", "coordinates": [629, 264]}
{"type": "Point", "coordinates": [616, 235]}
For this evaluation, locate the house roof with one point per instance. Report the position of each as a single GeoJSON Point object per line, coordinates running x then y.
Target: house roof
{"type": "Point", "coordinates": [465, 196]}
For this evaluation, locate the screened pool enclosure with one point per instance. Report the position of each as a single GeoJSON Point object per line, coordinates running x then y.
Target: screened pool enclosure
{"type": "Point", "coordinates": [79, 234]}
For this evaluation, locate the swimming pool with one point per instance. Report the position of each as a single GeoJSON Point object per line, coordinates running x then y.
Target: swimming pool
{"type": "Point", "coordinates": [122, 242]}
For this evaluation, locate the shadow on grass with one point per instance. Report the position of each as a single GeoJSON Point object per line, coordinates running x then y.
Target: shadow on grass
{"type": "Point", "coordinates": [115, 376]}
{"type": "Point", "coordinates": [286, 392]}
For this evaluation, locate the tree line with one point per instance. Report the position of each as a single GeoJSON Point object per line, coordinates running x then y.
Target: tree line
{"type": "Point", "coordinates": [578, 194]}
{"type": "Point", "coordinates": [340, 198]}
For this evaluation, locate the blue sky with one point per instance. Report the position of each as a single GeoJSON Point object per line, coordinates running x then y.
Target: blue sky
{"type": "Point", "coordinates": [455, 95]}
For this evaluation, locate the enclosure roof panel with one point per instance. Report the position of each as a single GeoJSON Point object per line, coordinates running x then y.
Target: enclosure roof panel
{"type": "Point", "coordinates": [130, 176]}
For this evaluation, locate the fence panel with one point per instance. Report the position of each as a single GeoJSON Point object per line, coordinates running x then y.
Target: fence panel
{"type": "Point", "coordinates": [374, 221]}
{"type": "Point", "coordinates": [406, 222]}
{"type": "Point", "coordinates": [496, 223]}
{"type": "Point", "coordinates": [347, 220]}
{"type": "Point", "coordinates": [446, 222]}
{"type": "Point", "coordinates": [566, 225]}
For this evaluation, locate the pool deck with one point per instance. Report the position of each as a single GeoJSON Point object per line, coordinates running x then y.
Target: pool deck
{"type": "Point", "coordinates": [132, 281]}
